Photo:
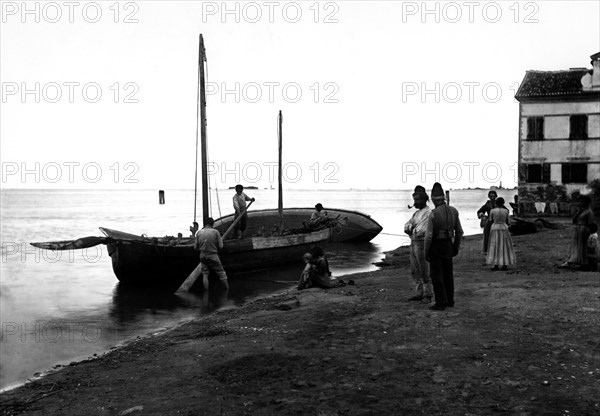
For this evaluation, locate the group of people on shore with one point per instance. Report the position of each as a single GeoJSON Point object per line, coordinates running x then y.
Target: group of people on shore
{"type": "Point", "coordinates": [435, 236]}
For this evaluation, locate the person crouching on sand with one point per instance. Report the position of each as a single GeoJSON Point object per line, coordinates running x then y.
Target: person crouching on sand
{"type": "Point", "coordinates": [319, 273]}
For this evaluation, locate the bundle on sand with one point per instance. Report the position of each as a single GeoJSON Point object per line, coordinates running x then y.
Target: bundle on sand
{"type": "Point", "coordinates": [521, 226]}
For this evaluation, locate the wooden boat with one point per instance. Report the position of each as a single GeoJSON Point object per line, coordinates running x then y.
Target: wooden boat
{"type": "Point", "coordinates": [168, 261]}
{"type": "Point", "coordinates": [349, 226]}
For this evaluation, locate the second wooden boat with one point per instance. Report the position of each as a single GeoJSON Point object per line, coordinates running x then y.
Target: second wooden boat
{"type": "Point", "coordinates": [348, 226]}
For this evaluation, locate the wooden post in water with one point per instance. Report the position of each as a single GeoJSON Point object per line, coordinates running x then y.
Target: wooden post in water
{"type": "Point", "coordinates": [280, 175]}
{"type": "Point", "coordinates": [161, 197]}
{"type": "Point", "coordinates": [448, 197]}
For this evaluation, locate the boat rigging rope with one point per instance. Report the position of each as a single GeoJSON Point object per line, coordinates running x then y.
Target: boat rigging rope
{"type": "Point", "coordinates": [197, 134]}
{"type": "Point", "coordinates": [217, 195]}
{"type": "Point", "coordinates": [207, 153]}
{"type": "Point", "coordinates": [214, 178]}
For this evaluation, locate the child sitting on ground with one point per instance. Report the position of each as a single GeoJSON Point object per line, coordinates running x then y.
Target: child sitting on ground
{"type": "Point", "coordinates": [305, 276]}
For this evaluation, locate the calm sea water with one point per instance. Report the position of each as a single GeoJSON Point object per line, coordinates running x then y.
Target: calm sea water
{"type": "Point", "coordinates": [57, 307]}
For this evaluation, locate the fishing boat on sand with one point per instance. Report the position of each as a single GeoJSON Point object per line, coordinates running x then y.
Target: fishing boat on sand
{"type": "Point", "coordinates": [168, 261]}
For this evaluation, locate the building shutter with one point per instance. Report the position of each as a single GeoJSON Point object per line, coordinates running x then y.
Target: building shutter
{"type": "Point", "coordinates": [566, 173]}
{"type": "Point", "coordinates": [546, 173]}
{"type": "Point", "coordinates": [522, 172]}
{"type": "Point", "coordinates": [539, 128]}
{"type": "Point", "coordinates": [530, 128]}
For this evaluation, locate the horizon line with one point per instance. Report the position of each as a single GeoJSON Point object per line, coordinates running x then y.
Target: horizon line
{"type": "Point", "coordinates": [254, 189]}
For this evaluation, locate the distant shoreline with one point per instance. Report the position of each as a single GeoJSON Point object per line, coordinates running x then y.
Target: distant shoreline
{"type": "Point", "coordinates": [247, 188]}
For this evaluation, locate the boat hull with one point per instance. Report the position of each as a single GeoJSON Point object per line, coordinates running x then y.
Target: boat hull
{"type": "Point", "coordinates": [354, 226]}
{"type": "Point", "coordinates": [160, 262]}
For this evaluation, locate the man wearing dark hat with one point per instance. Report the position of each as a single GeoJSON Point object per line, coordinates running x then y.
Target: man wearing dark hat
{"type": "Point", "coordinates": [443, 235]}
{"type": "Point", "coordinates": [415, 228]}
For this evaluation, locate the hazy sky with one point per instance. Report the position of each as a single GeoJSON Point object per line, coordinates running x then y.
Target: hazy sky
{"type": "Point", "coordinates": [374, 94]}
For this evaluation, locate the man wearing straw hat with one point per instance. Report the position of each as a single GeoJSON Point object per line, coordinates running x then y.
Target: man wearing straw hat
{"type": "Point", "coordinates": [443, 235]}
{"type": "Point", "coordinates": [415, 228]}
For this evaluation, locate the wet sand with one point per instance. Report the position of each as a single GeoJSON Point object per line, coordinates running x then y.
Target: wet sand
{"type": "Point", "coordinates": [521, 342]}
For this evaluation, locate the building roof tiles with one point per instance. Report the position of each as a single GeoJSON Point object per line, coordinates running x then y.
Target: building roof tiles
{"type": "Point", "coordinates": [552, 83]}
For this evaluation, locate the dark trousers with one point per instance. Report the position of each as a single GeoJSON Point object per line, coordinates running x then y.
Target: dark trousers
{"type": "Point", "coordinates": [241, 225]}
{"type": "Point", "coordinates": [441, 271]}
{"type": "Point", "coordinates": [486, 236]}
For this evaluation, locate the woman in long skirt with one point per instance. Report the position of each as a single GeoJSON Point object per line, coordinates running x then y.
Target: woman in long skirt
{"type": "Point", "coordinates": [578, 249]}
{"type": "Point", "coordinates": [500, 251]}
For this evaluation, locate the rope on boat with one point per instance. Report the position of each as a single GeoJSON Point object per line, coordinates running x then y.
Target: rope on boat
{"type": "Point", "coordinates": [218, 201]}
{"type": "Point", "coordinates": [398, 235]}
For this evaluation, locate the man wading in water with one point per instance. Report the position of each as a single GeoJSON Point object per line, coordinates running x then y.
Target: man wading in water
{"type": "Point", "coordinates": [209, 242]}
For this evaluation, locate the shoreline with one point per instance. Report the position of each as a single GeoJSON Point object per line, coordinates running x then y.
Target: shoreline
{"type": "Point", "coordinates": [519, 341]}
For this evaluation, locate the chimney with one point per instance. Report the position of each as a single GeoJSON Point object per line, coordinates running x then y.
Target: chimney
{"type": "Point", "coordinates": [596, 70]}
{"type": "Point", "coordinates": [592, 82]}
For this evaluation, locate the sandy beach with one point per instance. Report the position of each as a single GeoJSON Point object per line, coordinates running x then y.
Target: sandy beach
{"type": "Point", "coordinates": [520, 342]}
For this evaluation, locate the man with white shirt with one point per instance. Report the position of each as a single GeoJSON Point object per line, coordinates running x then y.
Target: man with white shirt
{"type": "Point", "coordinates": [415, 228]}
{"type": "Point", "coordinates": [239, 205]}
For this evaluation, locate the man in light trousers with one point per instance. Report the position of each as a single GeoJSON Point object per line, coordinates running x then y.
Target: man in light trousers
{"type": "Point", "coordinates": [415, 228]}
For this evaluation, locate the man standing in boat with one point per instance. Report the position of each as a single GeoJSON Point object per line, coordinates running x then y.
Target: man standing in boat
{"type": "Point", "coordinates": [239, 205]}
{"type": "Point", "coordinates": [209, 242]}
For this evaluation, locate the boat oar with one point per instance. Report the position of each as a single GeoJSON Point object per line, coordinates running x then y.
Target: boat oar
{"type": "Point", "coordinates": [234, 223]}
{"type": "Point", "coordinates": [191, 279]}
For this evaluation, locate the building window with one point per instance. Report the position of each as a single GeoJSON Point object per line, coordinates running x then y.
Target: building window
{"type": "Point", "coordinates": [574, 173]}
{"type": "Point", "coordinates": [538, 173]}
{"type": "Point", "coordinates": [579, 126]}
{"type": "Point", "coordinates": [535, 128]}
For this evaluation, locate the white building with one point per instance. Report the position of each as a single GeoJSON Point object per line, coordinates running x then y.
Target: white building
{"type": "Point", "coordinates": [559, 137]}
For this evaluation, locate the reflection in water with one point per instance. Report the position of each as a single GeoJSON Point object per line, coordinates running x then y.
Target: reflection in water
{"type": "Point", "coordinates": [346, 258]}
{"type": "Point", "coordinates": [131, 303]}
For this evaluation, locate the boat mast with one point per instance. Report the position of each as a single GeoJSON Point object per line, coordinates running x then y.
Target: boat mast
{"type": "Point", "coordinates": [201, 124]}
{"type": "Point", "coordinates": [280, 202]}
